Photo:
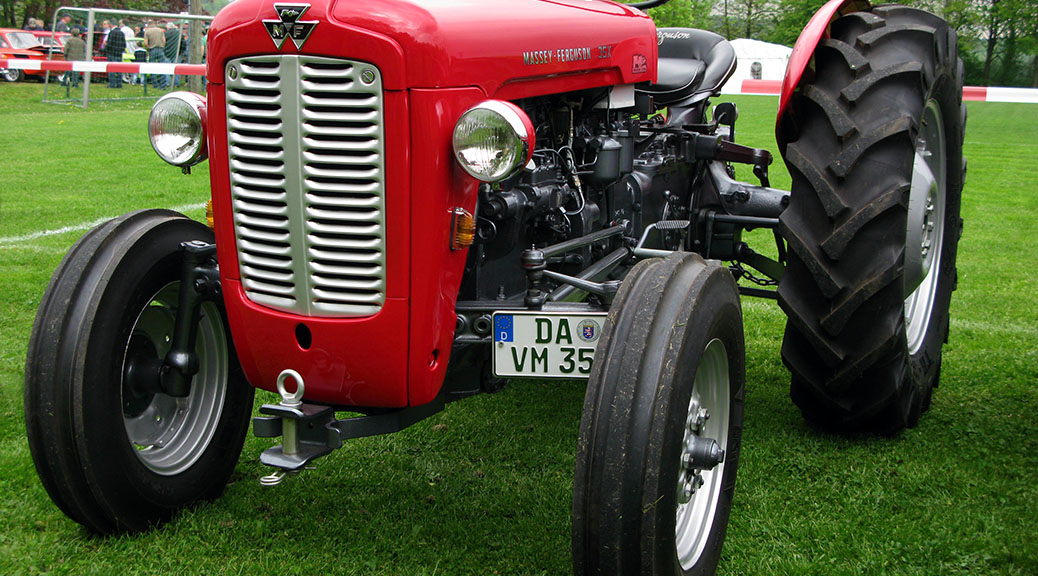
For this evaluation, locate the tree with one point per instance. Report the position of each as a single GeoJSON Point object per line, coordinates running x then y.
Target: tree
{"type": "Point", "coordinates": [683, 14]}
{"type": "Point", "coordinates": [16, 13]}
{"type": "Point", "coordinates": [792, 16]}
{"type": "Point", "coordinates": [753, 16]}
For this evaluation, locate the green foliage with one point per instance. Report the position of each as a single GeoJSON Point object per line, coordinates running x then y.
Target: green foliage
{"type": "Point", "coordinates": [791, 19]}
{"type": "Point", "coordinates": [485, 487]}
{"type": "Point", "coordinates": [1010, 25]}
{"type": "Point", "coordinates": [15, 13]}
{"type": "Point", "coordinates": [683, 14]}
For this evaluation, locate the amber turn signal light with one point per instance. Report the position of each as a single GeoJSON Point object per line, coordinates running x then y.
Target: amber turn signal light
{"type": "Point", "coordinates": [463, 229]}
{"type": "Point", "coordinates": [209, 220]}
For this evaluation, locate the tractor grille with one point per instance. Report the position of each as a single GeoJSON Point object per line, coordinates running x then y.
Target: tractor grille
{"type": "Point", "coordinates": [306, 156]}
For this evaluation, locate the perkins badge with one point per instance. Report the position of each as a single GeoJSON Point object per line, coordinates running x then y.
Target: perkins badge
{"type": "Point", "coordinates": [289, 25]}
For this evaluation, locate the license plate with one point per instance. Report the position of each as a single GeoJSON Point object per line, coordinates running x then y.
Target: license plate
{"type": "Point", "coordinates": [546, 344]}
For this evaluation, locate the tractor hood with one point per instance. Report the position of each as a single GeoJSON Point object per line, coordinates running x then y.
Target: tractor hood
{"type": "Point", "coordinates": [502, 46]}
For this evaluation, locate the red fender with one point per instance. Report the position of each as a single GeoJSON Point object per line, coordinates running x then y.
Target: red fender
{"type": "Point", "coordinates": [816, 30]}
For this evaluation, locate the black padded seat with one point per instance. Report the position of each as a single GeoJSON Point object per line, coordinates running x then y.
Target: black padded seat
{"type": "Point", "coordinates": [693, 64]}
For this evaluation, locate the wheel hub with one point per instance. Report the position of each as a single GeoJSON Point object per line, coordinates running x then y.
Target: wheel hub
{"type": "Point", "coordinates": [169, 434]}
{"type": "Point", "coordinates": [925, 230]}
{"type": "Point", "coordinates": [701, 468]}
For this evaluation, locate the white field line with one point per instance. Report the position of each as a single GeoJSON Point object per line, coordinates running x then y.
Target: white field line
{"type": "Point", "coordinates": [992, 328]}
{"type": "Point", "coordinates": [769, 307]}
{"type": "Point", "coordinates": [6, 241]}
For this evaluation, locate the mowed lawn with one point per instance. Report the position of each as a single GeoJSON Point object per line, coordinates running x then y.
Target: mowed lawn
{"type": "Point", "coordinates": [484, 487]}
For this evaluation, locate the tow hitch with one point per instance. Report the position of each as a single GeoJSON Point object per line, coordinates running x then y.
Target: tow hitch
{"type": "Point", "coordinates": [310, 431]}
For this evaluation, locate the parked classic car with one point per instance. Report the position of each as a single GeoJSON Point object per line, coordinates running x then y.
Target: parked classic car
{"type": "Point", "coordinates": [16, 43]}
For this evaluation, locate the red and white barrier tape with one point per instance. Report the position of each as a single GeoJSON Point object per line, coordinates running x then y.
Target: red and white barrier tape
{"type": "Point", "coordinates": [101, 67]}
{"type": "Point", "coordinates": [972, 93]}
{"type": "Point", "coordinates": [760, 87]}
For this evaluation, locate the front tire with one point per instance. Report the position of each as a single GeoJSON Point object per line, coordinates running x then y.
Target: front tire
{"type": "Point", "coordinates": [668, 375]}
{"type": "Point", "coordinates": [13, 75]}
{"type": "Point", "coordinates": [113, 456]}
{"type": "Point", "coordinates": [875, 152]}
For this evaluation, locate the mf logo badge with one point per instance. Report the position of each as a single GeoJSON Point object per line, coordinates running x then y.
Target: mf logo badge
{"type": "Point", "coordinates": [289, 25]}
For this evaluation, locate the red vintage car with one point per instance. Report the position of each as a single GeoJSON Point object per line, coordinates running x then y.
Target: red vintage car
{"type": "Point", "coordinates": [16, 43]}
{"type": "Point", "coordinates": [53, 41]}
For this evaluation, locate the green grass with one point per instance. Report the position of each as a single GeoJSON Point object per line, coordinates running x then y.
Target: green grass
{"type": "Point", "coordinates": [484, 487]}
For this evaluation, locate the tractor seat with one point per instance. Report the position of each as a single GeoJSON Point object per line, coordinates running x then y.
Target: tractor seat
{"type": "Point", "coordinates": [693, 64]}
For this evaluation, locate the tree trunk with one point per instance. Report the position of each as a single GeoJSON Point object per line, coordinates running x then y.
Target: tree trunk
{"type": "Point", "coordinates": [749, 19]}
{"type": "Point", "coordinates": [727, 22]}
{"type": "Point", "coordinates": [992, 40]}
{"type": "Point", "coordinates": [194, 45]}
{"type": "Point", "coordinates": [1008, 76]}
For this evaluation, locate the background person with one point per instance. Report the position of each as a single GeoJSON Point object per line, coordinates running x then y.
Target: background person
{"type": "Point", "coordinates": [129, 34]}
{"type": "Point", "coordinates": [106, 27]}
{"type": "Point", "coordinates": [115, 45]}
{"type": "Point", "coordinates": [75, 51]}
{"type": "Point", "coordinates": [127, 31]}
{"type": "Point", "coordinates": [155, 43]}
{"type": "Point", "coordinates": [172, 49]}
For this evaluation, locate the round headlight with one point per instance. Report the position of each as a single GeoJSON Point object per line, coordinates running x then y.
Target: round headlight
{"type": "Point", "coordinates": [493, 139]}
{"type": "Point", "coordinates": [177, 128]}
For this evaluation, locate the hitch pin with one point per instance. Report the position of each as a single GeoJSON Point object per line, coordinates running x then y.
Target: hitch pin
{"type": "Point", "coordinates": [290, 442]}
{"type": "Point", "coordinates": [278, 476]}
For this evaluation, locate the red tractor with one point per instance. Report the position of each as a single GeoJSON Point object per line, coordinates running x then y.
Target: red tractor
{"type": "Point", "coordinates": [414, 201]}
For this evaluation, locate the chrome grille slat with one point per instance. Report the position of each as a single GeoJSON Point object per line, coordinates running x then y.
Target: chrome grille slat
{"type": "Point", "coordinates": [348, 215]}
{"type": "Point", "coordinates": [254, 97]}
{"type": "Point", "coordinates": [260, 209]}
{"type": "Point", "coordinates": [255, 154]}
{"type": "Point", "coordinates": [250, 219]}
{"type": "Point", "coordinates": [255, 126]}
{"type": "Point", "coordinates": [334, 228]}
{"type": "Point", "coordinates": [319, 97]}
{"type": "Point", "coordinates": [256, 167]}
{"type": "Point", "coordinates": [329, 116]}
{"type": "Point", "coordinates": [317, 131]}
{"type": "Point", "coordinates": [342, 187]}
{"type": "Point", "coordinates": [266, 248]}
{"type": "Point", "coordinates": [357, 202]}
{"type": "Point", "coordinates": [345, 174]}
{"type": "Point", "coordinates": [336, 244]}
{"type": "Point", "coordinates": [364, 159]}
{"type": "Point", "coordinates": [307, 169]}
{"type": "Point", "coordinates": [315, 144]}
{"type": "Point", "coordinates": [253, 181]}
{"type": "Point", "coordinates": [239, 138]}
{"type": "Point", "coordinates": [270, 239]}
{"type": "Point", "coordinates": [254, 111]}
{"type": "Point", "coordinates": [264, 195]}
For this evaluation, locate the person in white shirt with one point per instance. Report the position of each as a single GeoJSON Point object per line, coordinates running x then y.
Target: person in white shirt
{"type": "Point", "coordinates": [127, 31]}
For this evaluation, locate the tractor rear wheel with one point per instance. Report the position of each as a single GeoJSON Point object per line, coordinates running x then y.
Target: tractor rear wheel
{"type": "Point", "coordinates": [873, 141]}
{"type": "Point", "coordinates": [115, 455]}
{"type": "Point", "coordinates": [662, 424]}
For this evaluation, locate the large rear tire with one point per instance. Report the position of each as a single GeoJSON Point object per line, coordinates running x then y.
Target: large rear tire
{"type": "Point", "coordinates": [873, 141]}
{"type": "Point", "coordinates": [668, 380]}
{"type": "Point", "coordinates": [112, 456]}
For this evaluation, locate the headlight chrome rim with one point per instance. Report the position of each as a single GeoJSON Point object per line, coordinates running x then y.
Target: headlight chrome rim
{"type": "Point", "coordinates": [517, 148]}
{"type": "Point", "coordinates": [181, 145]}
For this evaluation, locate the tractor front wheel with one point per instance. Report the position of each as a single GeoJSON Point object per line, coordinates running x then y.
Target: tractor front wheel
{"type": "Point", "coordinates": [114, 454]}
{"type": "Point", "coordinates": [662, 424]}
